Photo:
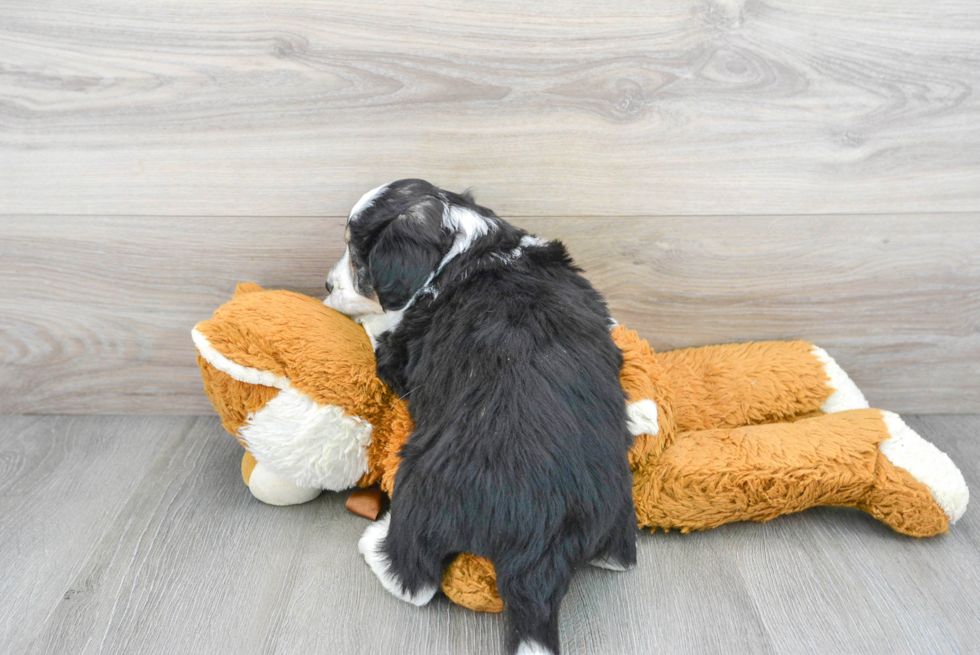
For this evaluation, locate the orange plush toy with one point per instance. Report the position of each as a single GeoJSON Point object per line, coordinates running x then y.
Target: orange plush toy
{"type": "Point", "coordinates": [722, 433]}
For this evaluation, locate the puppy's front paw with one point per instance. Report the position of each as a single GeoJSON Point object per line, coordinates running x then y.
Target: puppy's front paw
{"type": "Point", "coordinates": [370, 547]}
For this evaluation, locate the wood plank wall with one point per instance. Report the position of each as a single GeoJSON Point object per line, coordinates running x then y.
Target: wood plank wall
{"type": "Point", "coordinates": [723, 170]}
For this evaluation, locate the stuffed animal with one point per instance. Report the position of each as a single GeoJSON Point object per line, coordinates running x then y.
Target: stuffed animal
{"type": "Point", "coordinates": [722, 433]}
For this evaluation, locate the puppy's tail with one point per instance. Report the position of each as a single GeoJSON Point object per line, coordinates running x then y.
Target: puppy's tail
{"type": "Point", "coordinates": [532, 597]}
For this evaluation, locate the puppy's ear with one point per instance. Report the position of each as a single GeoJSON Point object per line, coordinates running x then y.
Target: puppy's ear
{"type": "Point", "coordinates": [406, 253]}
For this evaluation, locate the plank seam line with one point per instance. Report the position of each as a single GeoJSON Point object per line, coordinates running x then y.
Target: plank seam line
{"type": "Point", "coordinates": [510, 216]}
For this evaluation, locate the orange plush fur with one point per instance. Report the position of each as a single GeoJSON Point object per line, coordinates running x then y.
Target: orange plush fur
{"type": "Point", "coordinates": [740, 432]}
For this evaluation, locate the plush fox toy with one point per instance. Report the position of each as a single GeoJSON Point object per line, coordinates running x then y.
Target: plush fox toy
{"type": "Point", "coordinates": [722, 433]}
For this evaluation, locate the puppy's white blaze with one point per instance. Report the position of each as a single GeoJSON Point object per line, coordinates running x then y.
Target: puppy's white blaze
{"type": "Point", "coordinates": [340, 273]}
{"type": "Point", "coordinates": [641, 417]}
{"type": "Point", "coordinates": [366, 201]}
{"type": "Point", "coordinates": [927, 464]}
{"type": "Point", "coordinates": [370, 547]}
{"type": "Point", "coordinates": [533, 648]}
{"type": "Point", "coordinates": [467, 226]}
{"type": "Point", "coordinates": [846, 394]}
{"type": "Point", "coordinates": [343, 297]}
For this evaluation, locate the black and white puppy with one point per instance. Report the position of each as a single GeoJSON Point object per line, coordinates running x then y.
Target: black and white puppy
{"type": "Point", "coordinates": [503, 352]}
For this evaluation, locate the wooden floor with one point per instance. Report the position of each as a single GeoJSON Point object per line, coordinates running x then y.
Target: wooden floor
{"type": "Point", "coordinates": [123, 534]}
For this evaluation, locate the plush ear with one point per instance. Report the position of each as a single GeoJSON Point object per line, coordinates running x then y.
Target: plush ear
{"type": "Point", "coordinates": [402, 259]}
{"type": "Point", "coordinates": [247, 287]}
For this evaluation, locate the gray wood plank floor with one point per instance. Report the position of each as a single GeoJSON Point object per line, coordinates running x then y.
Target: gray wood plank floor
{"type": "Point", "coordinates": [136, 535]}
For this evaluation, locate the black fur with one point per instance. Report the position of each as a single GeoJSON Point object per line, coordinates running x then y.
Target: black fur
{"type": "Point", "coordinates": [519, 452]}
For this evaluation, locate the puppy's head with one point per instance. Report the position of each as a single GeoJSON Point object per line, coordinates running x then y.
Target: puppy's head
{"type": "Point", "coordinates": [398, 237]}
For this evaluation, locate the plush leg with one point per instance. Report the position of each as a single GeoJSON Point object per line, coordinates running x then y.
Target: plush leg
{"type": "Point", "coordinates": [855, 458]}
{"type": "Point", "coordinates": [271, 488]}
{"type": "Point", "coordinates": [471, 581]}
{"type": "Point", "coordinates": [894, 499]}
{"type": "Point", "coordinates": [750, 383]}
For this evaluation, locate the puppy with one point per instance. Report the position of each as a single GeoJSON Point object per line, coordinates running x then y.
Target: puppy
{"type": "Point", "coordinates": [503, 353]}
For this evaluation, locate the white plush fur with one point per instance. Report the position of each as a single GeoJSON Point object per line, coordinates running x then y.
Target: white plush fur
{"type": "Point", "coordinates": [312, 445]}
{"type": "Point", "coordinates": [370, 548]}
{"type": "Point", "coordinates": [241, 373]}
{"type": "Point", "coordinates": [642, 417]}
{"type": "Point", "coordinates": [273, 489]}
{"type": "Point", "coordinates": [846, 394]}
{"type": "Point", "coordinates": [927, 464]}
{"type": "Point", "coordinates": [532, 648]}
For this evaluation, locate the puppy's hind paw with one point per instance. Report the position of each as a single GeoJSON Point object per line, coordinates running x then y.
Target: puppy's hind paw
{"type": "Point", "coordinates": [531, 647]}
{"type": "Point", "coordinates": [370, 547]}
{"type": "Point", "coordinates": [610, 564]}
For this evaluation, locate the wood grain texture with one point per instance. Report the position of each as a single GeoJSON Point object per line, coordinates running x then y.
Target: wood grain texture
{"type": "Point", "coordinates": [603, 108]}
{"type": "Point", "coordinates": [186, 561]}
{"type": "Point", "coordinates": [833, 580]}
{"type": "Point", "coordinates": [95, 312]}
{"type": "Point", "coordinates": [63, 482]}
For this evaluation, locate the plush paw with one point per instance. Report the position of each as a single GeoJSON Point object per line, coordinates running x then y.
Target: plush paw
{"type": "Point", "coordinates": [846, 395]}
{"type": "Point", "coordinates": [370, 548]}
{"type": "Point", "coordinates": [642, 417]}
{"type": "Point", "coordinates": [927, 464]}
{"type": "Point", "coordinates": [273, 489]}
